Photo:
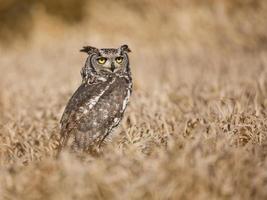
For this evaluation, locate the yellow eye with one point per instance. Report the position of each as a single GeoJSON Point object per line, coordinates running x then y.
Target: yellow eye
{"type": "Point", "coordinates": [119, 59]}
{"type": "Point", "coordinates": [101, 60]}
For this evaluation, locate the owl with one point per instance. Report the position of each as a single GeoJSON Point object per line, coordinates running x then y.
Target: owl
{"type": "Point", "coordinates": [98, 105]}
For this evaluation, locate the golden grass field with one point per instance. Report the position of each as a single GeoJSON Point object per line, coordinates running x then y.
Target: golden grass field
{"type": "Point", "coordinates": [196, 126]}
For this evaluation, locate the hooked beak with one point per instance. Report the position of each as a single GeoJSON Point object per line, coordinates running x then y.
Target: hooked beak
{"type": "Point", "coordinates": [112, 67]}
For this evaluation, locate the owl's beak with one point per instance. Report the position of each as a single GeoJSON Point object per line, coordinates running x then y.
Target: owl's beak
{"type": "Point", "coordinates": [112, 67]}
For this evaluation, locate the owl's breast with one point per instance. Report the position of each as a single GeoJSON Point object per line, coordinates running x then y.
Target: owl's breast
{"type": "Point", "coordinates": [105, 110]}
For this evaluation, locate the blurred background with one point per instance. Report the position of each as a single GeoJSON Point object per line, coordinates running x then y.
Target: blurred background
{"type": "Point", "coordinates": [158, 32]}
{"type": "Point", "coordinates": [182, 51]}
{"type": "Point", "coordinates": [198, 109]}
{"type": "Point", "coordinates": [199, 45]}
{"type": "Point", "coordinates": [225, 24]}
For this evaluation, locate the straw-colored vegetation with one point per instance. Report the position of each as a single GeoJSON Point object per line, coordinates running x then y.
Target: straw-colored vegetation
{"type": "Point", "coordinates": [196, 127]}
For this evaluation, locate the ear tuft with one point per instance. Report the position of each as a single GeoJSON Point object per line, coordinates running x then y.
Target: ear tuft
{"type": "Point", "coordinates": [125, 48]}
{"type": "Point", "coordinates": [89, 50]}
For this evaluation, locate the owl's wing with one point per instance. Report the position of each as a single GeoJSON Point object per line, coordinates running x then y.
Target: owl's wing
{"type": "Point", "coordinates": [96, 123]}
{"type": "Point", "coordinates": [78, 99]}
{"type": "Point", "coordinates": [94, 110]}
{"type": "Point", "coordinates": [74, 107]}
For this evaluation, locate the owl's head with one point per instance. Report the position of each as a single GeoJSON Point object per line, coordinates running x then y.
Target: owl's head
{"type": "Point", "coordinates": [107, 60]}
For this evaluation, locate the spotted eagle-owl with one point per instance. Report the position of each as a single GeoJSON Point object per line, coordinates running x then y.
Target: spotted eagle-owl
{"type": "Point", "coordinates": [99, 103]}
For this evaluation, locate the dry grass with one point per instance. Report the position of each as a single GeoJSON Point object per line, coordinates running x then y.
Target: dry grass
{"type": "Point", "coordinates": [195, 129]}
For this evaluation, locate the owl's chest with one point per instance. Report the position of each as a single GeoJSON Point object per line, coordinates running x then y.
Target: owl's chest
{"type": "Point", "coordinates": [106, 109]}
{"type": "Point", "coordinates": [111, 99]}
{"type": "Point", "coordinates": [115, 94]}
